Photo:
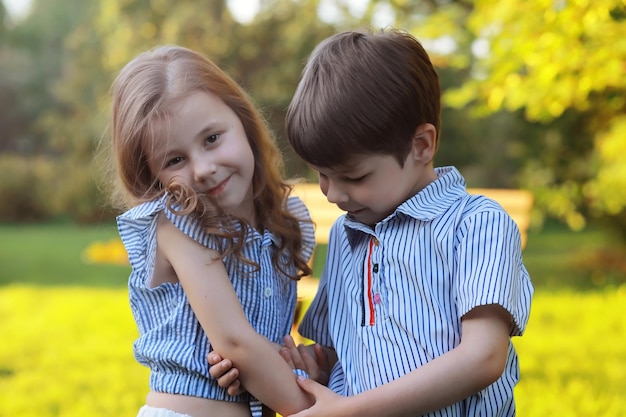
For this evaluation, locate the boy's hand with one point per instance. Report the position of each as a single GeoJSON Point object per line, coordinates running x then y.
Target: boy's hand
{"type": "Point", "coordinates": [315, 359]}
{"type": "Point", "coordinates": [227, 376]}
{"type": "Point", "coordinates": [327, 403]}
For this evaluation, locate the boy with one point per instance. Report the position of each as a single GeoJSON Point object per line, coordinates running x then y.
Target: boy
{"type": "Point", "coordinates": [424, 284]}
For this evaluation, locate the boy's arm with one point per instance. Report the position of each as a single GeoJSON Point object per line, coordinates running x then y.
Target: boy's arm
{"type": "Point", "coordinates": [210, 293]}
{"type": "Point", "coordinates": [476, 363]}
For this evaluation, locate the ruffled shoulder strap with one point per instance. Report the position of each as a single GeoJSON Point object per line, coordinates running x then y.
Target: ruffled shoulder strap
{"type": "Point", "coordinates": [297, 208]}
{"type": "Point", "coordinates": [137, 229]}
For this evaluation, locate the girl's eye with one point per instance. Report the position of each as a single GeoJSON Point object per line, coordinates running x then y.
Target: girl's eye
{"type": "Point", "coordinates": [212, 138]}
{"type": "Point", "coordinates": [173, 161]}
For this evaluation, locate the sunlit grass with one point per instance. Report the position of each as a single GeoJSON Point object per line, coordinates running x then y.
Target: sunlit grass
{"type": "Point", "coordinates": [573, 355]}
{"type": "Point", "coordinates": [66, 330]}
{"type": "Point", "coordinates": [67, 352]}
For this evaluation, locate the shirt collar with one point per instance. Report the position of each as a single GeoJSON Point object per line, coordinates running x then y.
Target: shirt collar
{"type": "Point", "coordinates": [428, 204]}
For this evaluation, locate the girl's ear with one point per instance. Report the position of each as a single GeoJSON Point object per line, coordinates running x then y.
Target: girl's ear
{"type": "Point", "coordinates": [424, 143]}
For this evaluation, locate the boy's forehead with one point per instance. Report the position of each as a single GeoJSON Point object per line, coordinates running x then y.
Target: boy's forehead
{"type": "Point", "coordinates": [354, 163]}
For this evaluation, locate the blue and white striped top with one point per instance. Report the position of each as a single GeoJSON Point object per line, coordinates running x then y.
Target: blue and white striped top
{"type": "Point", "coordinates": [391, 299]}
{"type": "Point", "coordinates": [171, 341]}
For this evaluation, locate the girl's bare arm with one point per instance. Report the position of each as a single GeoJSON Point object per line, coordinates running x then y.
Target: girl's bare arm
{"type": "Point", "coordinates": [206, 283]}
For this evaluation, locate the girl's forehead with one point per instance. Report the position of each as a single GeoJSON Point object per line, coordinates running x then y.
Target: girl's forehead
{"type": "Point", "coordinates": [159, 139]}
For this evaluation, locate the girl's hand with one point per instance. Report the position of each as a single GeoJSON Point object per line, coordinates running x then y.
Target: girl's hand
{"type": "Point", "coordinates": [227, 376]}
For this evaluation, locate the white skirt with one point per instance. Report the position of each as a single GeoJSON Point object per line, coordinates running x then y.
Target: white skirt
{"type": "Point", "coordinates": [147, 411]}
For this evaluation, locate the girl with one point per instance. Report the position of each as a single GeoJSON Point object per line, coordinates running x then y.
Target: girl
{"type": "Point", "coordinates": [215, 244]}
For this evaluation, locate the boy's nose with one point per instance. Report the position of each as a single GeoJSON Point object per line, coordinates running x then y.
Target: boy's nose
{"type": "Point", "coordinates": [335, 194]}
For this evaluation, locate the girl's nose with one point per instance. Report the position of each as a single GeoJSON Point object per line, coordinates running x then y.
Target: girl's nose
{"type": "Point", "coordinates": [203, 168]}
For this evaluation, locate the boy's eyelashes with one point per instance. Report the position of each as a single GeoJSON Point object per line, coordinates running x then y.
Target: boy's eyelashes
{"type": "Point", "coordinates": [344, 178]}
{"type": "Point", "coordinates": [357, 179]}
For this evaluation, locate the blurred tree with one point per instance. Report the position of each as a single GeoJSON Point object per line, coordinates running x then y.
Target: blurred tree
{"type": "Point", "coordinates": [563, 64]}
{"type": "Point", "coordinates": [265, 56]}
{"type": "Point", "coordinates": [31, 61]}
{"type": "Point", "coordinates": [3, 17]}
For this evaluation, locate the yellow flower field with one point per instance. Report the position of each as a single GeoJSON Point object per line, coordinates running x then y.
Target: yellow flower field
{"type": "Point", "coordinates": [67, 352]}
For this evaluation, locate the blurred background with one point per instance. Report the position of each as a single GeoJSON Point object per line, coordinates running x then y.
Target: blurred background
{"type": "Point", "coordinates": [534, 98]}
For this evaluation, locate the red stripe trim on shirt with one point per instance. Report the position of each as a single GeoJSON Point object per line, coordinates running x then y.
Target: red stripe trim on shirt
{"type": "Point", "coordinates": [370, 299]}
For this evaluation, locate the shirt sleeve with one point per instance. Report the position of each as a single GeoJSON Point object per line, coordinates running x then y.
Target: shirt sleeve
{"type": "Point", "coordinates": [490, 267]}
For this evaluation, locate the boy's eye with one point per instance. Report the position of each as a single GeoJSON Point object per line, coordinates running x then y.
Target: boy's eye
{"type": "Point", "coordinates": [357, 179]}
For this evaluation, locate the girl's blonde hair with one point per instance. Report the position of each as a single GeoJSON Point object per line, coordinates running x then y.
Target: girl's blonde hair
{"type": "Point", "coordinates": [143, 95]}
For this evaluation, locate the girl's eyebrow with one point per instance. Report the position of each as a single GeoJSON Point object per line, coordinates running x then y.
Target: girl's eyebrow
{"type": "Point", "coordinates": [209, 127]}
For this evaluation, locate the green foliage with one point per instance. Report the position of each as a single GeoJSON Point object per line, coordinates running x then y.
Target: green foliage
{"type": "Point", "coordinates": [81, 197]}
{"type": "Point", "coordinates": [560, 64]}
{"type": "Point", "coordinates": [550, 59]}
{"type": "Point", "coordinates": [25, 190]}
{"type": "Point", "coordinates": [38, 188]}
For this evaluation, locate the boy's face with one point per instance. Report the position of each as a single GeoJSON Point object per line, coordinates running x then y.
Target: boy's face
{"type": "Point", "coordinates": [371, 187]}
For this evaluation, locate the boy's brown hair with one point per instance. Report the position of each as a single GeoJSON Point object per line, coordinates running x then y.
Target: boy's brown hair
{"type": "Point", "coordinates": [363, 92]}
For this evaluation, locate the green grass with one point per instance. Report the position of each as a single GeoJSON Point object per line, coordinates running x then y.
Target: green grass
{"type": "Point", "coordinates": [51, 255]}
{"type": "Point", "coordinates": [67, 330]}
{"type": "Point", "coordinates": [558, 258]}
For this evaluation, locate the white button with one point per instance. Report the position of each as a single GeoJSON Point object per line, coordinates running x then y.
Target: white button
{"type": "Point", "coordinates": [268, 292]}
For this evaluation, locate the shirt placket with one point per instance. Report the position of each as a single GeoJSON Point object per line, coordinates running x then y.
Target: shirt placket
{"type": "Point", "coordinates": [371, 296]}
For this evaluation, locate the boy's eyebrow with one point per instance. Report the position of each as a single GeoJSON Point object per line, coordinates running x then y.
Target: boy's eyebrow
{"type": "Point", "coordinates": [348, 167]}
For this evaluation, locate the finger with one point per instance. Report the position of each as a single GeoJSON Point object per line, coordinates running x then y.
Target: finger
{"type": "Point", "coordinates": [229, 378]}
{"type": "Point", "coordinates": [296, 356]}
{"type": "Point", "coordinates": [214, 357]}
{"type": "Point", "coordinates": [289, 342]}
{"type": "Point", "coordinates": [310, 362]}
{"type": "Point", "coordinates": [321, 356]}
{"type": "Point", "coordinates": [310, 386]}
{"type": "Point", "coordinates": [235, 388]}
{"type": "Point", "coordinates": [285, 353]}
{"type": "Point", "coordinates": [220, 369]}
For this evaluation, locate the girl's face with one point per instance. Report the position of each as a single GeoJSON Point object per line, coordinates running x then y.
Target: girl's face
{"type": "Point", "coordinates": [209, 151]}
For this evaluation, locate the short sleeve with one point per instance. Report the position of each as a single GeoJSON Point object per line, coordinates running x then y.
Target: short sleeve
{"type": "Point", "coordinates": [297, 208]}
{"type": "Point", "coordinates": [137, 230]}
{"type": "Point", "coordinates": [490, 267]}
